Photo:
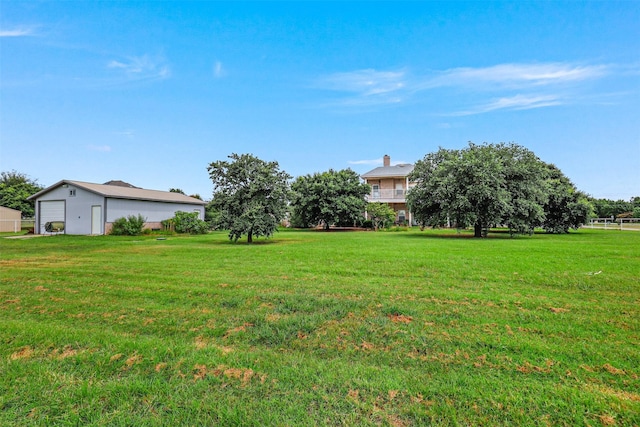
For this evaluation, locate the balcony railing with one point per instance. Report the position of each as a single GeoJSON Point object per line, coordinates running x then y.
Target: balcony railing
{"type": "Point", "coordinates": [388, 194]}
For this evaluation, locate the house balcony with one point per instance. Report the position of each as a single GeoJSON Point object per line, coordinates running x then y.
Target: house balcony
{"type": "Point", "coordinates": [387, 196]}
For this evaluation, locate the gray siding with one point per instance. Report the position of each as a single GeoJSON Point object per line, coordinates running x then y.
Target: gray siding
{"type": "Point", "coordinates": [152, 211]}
{"type": "Point", "coordinates": [77, 210]}
{"type": "Point", "coordinates": [78, 218]}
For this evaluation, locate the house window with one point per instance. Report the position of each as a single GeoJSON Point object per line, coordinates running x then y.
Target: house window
{"type": "Point", "coordinates": [402, 217]}
{"type": "Point", "coordinates": [72, 192]}
{"type": "Point", "coordinates": [375, 188]}
{"type": "Point", "coordinates": [399, 189]}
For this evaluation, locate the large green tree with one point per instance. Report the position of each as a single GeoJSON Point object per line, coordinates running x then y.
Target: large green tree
{"type": "Point", "coordinates": [15, 187]}
{"type": "Point", "coordinates": [566, 207]}
{"type": "Point", "coordinates": [526, 181]}
{"type": "Point", "coordinates": [480, 186]}
{"type": "Point", "coordinates": [250, 195]}
{"type": "Point", "coordinates": [331, 197]}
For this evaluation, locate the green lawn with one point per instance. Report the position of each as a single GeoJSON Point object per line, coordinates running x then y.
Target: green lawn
{"type": "Point", "coordinates": [314, 328]}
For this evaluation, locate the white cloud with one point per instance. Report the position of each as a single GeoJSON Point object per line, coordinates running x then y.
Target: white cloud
{"type": "Point", "coordinates": [102, 148]}
{"type": "Point", "coordinates": [517, 102]}
{"type": "Point", "coordinates": [516, 75]}
{"type": "Point", "coordinates": [510, 86]}
{"type": "Point", "coordinates": [142, 68]}
{"type": "Point", "coordinates": [218, 71]}
{"type": "Point", "coordinates": [366, 82]}
{"type": "Point", "coordinates": [369, 86]}
{"type": "Point", "coordinates": [18, 32]}
{"type": "Point", "coordinates": [366, 162]}
{"type": "Point", "coordinates": [127, 133]}
{"type": "Point", "coordinates": [523, 102]}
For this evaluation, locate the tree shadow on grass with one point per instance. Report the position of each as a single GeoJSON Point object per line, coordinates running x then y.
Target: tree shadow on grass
{"type": "Point", "coordinates": [440, 234]}
{"type": "Point", "coordinates": [243, 242]}
{"type": "Point", "coordinates": [499, 234]}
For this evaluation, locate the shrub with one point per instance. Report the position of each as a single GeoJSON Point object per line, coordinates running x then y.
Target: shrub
{"type": "Point", "coordinates": [381, 215]}
{"type": "Point", "coordinates": [129, 226]}
{"type": "Point", "coordinates": [188, 222]}
{"type": "Point", "coordinates": [396, 228]}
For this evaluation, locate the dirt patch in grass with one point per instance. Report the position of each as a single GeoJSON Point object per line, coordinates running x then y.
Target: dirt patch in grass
{"type": "Point", "coordinates": [133, 360]}
{"type": "Point", "coordinates": [400, 318]}
{"type": "Point", "coordinates": [238, 329]}
{"type": "Point", "coordinates": [67, 351]}
{"type": "Point", "coordinates": [528, 368]}
{"type": "Point", "coordinates": [25, 352]}
{"type": "Point", "coordinates": [608, 391]}
{"type": "Point", "coordinates": [613, 370]}
{"type": "Point", "coordinates": [243, 375]}
{"type": "Point", "coordinates": [200, 342]}
{"type": "Point", "coordinates": [607, 420]}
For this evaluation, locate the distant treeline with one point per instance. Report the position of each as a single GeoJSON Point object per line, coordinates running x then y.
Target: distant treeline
{"type": "Point", "coordinates": [605, 208]}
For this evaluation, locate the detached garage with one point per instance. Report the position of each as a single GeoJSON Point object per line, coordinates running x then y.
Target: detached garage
{"type": "Point", "coordinates": [75, 207]}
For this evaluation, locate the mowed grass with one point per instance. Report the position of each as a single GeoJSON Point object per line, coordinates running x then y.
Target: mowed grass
{"type": "Point", "coordinates": [314, 328]}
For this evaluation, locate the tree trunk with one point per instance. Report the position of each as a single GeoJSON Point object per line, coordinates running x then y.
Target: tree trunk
{"type": "Point", "coordinates": [326, 226]}
{"type": "Point", "coordinates": [250, 237]}
{"type": "Point", "coordinates": [477, 229]}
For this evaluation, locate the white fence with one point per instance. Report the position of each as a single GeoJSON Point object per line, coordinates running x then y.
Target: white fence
{"type": "Point", "coordinates": [615, 224]}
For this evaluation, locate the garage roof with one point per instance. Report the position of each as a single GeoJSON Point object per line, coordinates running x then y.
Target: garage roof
{"type": "Point", "coordinates": [118, 192]}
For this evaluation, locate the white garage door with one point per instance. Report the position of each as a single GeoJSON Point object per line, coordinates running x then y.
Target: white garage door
{"type": "Point", "coordinates": [50, 211]}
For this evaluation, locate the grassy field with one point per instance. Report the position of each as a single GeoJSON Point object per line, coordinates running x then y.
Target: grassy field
{"type": "Point", "coordinates": [314, 328]}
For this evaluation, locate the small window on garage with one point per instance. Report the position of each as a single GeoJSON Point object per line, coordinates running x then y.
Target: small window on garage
{"type": "Point", "coordinates": [72, 192]}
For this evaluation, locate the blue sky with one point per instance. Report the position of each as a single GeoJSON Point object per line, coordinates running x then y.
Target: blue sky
{"type": "Point", "coordinates": [152, 92]}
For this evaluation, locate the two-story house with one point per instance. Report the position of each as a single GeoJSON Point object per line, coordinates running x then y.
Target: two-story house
{"type": "Point", "coordinates": [389, 184]}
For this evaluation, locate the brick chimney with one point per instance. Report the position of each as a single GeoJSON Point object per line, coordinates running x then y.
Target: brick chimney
{"type": "Point", "coordinates": [386, 160]}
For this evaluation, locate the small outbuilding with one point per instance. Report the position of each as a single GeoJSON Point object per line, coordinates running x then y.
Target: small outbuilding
{"type": "Point", "coordinates": [76, 207]}
{"type": "Point", "coordinates": [10, 220]}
